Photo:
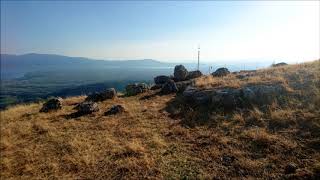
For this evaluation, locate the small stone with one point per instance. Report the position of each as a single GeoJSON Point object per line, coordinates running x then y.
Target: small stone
{"type": "Point", "coordinates": [87, 107]}
{"type": "Point", "coordinates": [115, 109]}
{"type": "Point", "coordinates": [52, 105]}
{"type": "Point", "coordinates": [291, 168]}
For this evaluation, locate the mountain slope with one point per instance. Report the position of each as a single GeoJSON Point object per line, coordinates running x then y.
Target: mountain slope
{"type": "Point", "coordinates": [163, 137]}
{"type": "Point", "coordinates": [18, 65]}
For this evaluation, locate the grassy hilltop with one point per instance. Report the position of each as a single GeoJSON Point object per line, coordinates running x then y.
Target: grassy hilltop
{"type": "Point", "coordinates": [165, 137]}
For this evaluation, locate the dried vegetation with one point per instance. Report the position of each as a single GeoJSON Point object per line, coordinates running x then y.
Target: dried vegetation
{"type": "Point", "coordinates": [161, 137]}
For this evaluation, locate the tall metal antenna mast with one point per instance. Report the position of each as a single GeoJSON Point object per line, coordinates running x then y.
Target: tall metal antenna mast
{"type": "Point", "coordinates": [198, 57]}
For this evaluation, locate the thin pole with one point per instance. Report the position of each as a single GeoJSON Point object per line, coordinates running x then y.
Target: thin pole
{"type": "Point", "coordinates": [198, 57]}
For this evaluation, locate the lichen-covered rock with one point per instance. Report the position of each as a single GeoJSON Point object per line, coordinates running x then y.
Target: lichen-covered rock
{"type": "Point", "coordinates": [115, 109]}
{"type": "Point", "coordinates": [137, 88]}
{"type": "Point", "coordinates": [52, 105]}
{"type": "Point", "coordinates": [87, 107]}
{"type": "Point", "coordinates": [221, 72]}
{"type": "Point", "coordinates": [193, 74]}
{"type": "Point", "coordinates": [101, 96]}
{"type": "Point", "coordinates": [180, 73]}
{"type": "Point", "coordinates": [161, 79]}
{"type": "Point", "coordinates": [169, 87]}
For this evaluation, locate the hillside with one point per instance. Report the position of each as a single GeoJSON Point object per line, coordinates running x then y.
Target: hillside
{"type": "Point", "coordinates": [32, 77]}
{"type": "Point", "coordinates": [168, 137]}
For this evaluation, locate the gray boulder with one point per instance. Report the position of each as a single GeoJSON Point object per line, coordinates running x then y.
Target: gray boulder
{"type": "Point", "coordinates": [115, 109]}
{"type": "Point", "coordinates": [180, 73]}
{"type": "Point", "coordinates": [226, 98]}
{"type": "Point", "coordinates": [101, 96]}
{"type": "Point", "coordinates": [221, 72]}
{"type": "Point", "coordinates": [193, 95]}
{"type": "Point", "coordinates": [189, 91]}
{"type": "Point", "coordinates": [262, 94]}
{"type": "Point", "coordinates": [52, 105]}
{"type": "Point", "coordinates": [183, 85]}
{"type": "Point", "coordinates": [161, 79]}
{"type": "Point", "coordinates": [169, 87]}
{"type": "Point", "coordinates": [137, 88]}
{"type": "Point", "coordinates": [193, 74]}
{"type": "Point", "coordinates": [229, 98]}
{"type": "Point", "coordinates": [87, 107]}
{"type": "Point", "coordinates": [202, 97]}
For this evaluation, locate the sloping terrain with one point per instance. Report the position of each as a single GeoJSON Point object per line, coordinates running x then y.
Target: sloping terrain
{"type": "Point", "coordinates": [166, 137]}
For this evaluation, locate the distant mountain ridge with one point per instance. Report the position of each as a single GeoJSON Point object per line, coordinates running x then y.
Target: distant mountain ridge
{"type": "Point", "coordinates": [13, 66]}
{"type": "Point", "coordinates": [54, 59]}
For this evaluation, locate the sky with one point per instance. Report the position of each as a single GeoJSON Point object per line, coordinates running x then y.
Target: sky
{"type": "Point", "coordinates": [164, 30]}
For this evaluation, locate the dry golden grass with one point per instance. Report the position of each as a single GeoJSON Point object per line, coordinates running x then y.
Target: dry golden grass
{"type": "Point", "coordinates": [147, 142]}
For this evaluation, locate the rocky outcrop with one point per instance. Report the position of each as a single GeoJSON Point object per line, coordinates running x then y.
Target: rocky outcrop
{"type": "Point", "coordinates": [235, 98]}
{"type": "Point", "coordinates": [262, 94]}
{"type": "Point", "coordinates": [193, 74]}
{"type": "Point", "coordinates": [227, 98]}
{"type": "Point", "coordinates": [115, 109]}
{"type": "Point", "coordinates": [279, 64]}
{"type": "Point", "coordinates": [52, 105]}
{"type": "Point", "coordinates": [137, 88]}
{"type": "Point", "coordinates": [156, 86]}
{"type": "Point", "coordinates": [169, 87]}
{"type": "Point", "coordinates": [161, 79]}
{"type": "Point", "coordinates": [196, 96]}
{"type": "Point", "coordinates": [221, 72]}
{"type": "Point", "coordinates": [180, 73]}
{"type": "Point", "coordinates": [101, 96]}
{"type": "Point", "coordinates": [87, 107]}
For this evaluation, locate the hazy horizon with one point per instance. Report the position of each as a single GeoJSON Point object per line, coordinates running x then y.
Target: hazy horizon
{"type": "Point", "coordinates": [163, 31]}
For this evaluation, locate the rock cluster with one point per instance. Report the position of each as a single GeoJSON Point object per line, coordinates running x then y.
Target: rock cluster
{"type": "Point", "coordinates": [137, 88]}
{"type": "Point", "coordinates": [178, 83]}
{"type": "Point", "coordinates": [101, 96]}
{"type": "Point", "coordinates": [52, 105]}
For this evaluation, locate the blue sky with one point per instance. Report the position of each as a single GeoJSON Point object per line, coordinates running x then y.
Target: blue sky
{"type": "Point", "coordinates": [167, 31]}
